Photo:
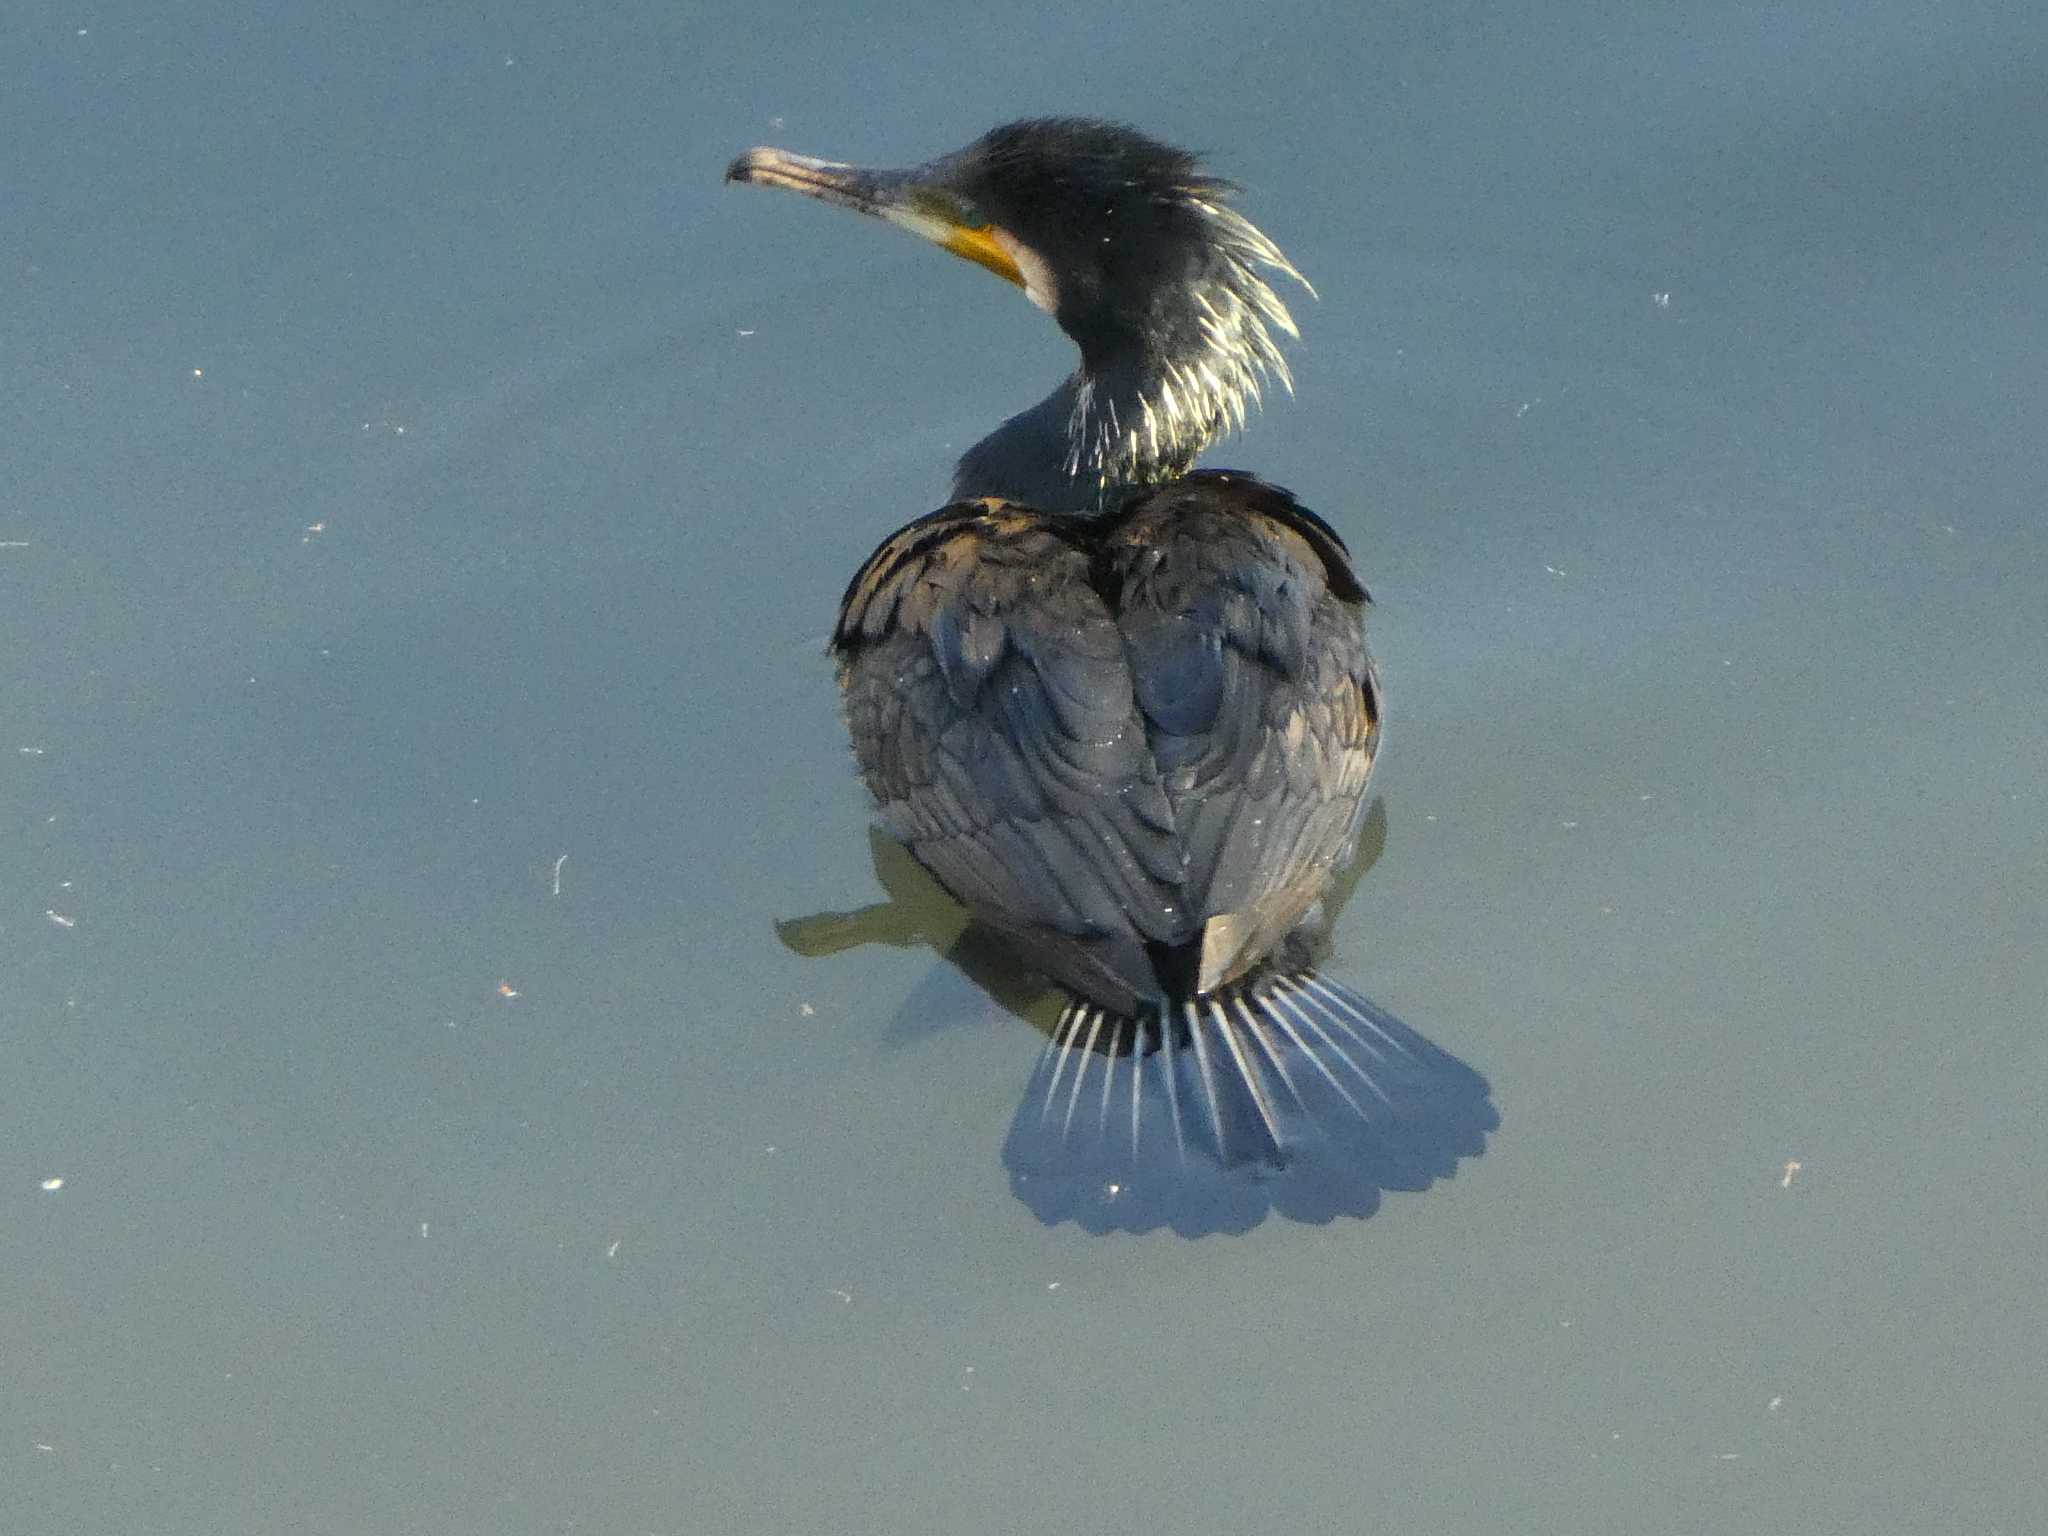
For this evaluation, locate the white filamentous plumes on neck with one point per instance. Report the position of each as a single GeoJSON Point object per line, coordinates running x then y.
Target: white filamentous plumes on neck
{"type": "Point", "coordinates": [1147, 419]}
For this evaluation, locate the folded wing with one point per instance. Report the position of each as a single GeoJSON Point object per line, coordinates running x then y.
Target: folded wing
{"type": "Point", "coordinates": [989, 698]}
{"type": "Point", "coordinates": [1139, 745]}
{"type": "Point", "coordinates": [1244, 624]}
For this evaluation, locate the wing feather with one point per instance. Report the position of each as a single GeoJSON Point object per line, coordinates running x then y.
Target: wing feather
{"type": "Point", "coordinates": [990, 701]}
{"type": "Point", "coordinates": [1244, 622]}
{"type": "Point", "coordinates": [1109, 737]}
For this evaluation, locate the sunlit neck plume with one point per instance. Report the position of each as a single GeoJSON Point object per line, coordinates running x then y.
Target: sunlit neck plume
{"type": "Point", "coordinates": [1134, 250]}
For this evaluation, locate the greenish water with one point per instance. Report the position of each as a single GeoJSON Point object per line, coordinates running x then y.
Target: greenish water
{"type": "Point", "coordinates": [426, 491]}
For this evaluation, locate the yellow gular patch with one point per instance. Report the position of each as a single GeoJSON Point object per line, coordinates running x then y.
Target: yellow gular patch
{"type": "Point", "coordinates": [981, 247]}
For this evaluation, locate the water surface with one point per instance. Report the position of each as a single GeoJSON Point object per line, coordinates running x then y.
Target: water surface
{"type": "Point", "coordinates": [426, 491]}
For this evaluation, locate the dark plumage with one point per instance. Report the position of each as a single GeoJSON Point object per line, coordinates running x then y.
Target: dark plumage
{"type": "Point", "coordinates": [1137, 743]}
{"type": "Point", "coordinates": [1124, 712]}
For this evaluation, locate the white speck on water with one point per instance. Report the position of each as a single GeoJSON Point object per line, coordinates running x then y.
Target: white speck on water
{"type": "Point", "coordinates": [51, 1186]}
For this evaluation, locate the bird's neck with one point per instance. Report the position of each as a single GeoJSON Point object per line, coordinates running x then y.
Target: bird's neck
{"type": "Point", "coordinates": [1163, 374]}
{"type": "Point", "coordinates": [1104, 430]}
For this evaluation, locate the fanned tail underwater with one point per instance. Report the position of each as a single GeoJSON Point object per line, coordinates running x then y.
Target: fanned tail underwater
{"type": "Point", "coordinates": [1285, 1091]}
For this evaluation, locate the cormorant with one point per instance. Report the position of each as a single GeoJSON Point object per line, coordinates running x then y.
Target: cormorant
{"type": "Point", "coordinates": [1120, 708]}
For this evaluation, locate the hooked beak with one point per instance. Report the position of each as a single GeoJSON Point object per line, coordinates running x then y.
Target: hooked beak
{"type": "Point", "coordinates": [908, 199]}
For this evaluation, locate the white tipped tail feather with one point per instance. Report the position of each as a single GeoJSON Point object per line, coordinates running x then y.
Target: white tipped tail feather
{"type": "Point", "coordinates": [1286, 1076]}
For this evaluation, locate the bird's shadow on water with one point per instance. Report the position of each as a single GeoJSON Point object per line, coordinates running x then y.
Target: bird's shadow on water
{"type": "Point", "coordinates": [1068, 1156]}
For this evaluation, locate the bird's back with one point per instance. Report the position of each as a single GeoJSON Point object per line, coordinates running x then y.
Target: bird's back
{"type": "Point", "coordinates": [1138, 744]}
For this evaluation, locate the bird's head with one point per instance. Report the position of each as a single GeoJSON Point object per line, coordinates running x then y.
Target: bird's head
{"type": "Point", "coordinates": [1126, 242]}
